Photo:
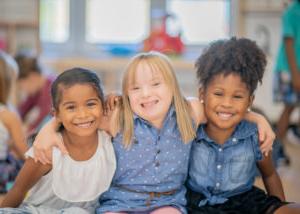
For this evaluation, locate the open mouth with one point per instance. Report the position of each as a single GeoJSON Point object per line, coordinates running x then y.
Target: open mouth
{"type": "Point", "coordinates": [85, 125]}
{"type": "Point", "coordinates": [224, 115]}
{"type": "Point", "coordinates": [149, 104]}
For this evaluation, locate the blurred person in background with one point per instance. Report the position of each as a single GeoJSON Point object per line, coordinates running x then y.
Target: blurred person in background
{"type": "Point", "coordinates": [34, 87]}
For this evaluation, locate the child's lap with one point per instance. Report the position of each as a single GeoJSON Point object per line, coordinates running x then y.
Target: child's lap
{"type": "Point", "coordinates": [161, 210]}
{"type": "Point", "coordinates": [253, 201]}
{"type": "Point", "coordinates": [283, 90]}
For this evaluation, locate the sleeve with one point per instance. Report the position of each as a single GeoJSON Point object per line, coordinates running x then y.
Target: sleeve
{"type": "Point", "coordinates": [29, 153]}
{"type": "Point", "coordinates": [287, 27]}
{"type": "Point", "coordinates": [255, 145]}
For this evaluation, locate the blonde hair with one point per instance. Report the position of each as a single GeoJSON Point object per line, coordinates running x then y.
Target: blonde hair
{"type": "Point", "coordinates": [159, 62]}
{"type": "Point", "coordinates": [8, 70]}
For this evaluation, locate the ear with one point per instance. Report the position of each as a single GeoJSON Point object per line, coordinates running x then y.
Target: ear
{"type": "Point", "coordinates": [201, 94]}
{"type": "Point", "coordinates": [251, 99]}
{"type": "Point", "coordinates": [55, 114]}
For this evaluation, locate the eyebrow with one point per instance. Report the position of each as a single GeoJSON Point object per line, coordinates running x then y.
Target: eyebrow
{"type": "Point", "coordinates": [72, 102]}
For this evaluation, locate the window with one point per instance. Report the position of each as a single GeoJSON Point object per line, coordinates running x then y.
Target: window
{"type": "Point", "coordinates": [117, 21]}
{"type": "Point", "coordinates": [192, 17]}
{"type": "Point", "coordinates": [89, 26]}
{"type": "Point", "coordinates": [54, 16]}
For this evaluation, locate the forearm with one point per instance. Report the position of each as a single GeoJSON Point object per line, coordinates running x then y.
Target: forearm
{"type": "Point", "coordinates": [291, 58]}
{"type": "Point", "coordinates": [273, 185]}
{"type": "Point", "coordinates": [13, 198]}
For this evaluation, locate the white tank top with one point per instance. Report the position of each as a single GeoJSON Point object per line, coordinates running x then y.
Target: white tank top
{"type": "Point", "coordinates": [75, 183]}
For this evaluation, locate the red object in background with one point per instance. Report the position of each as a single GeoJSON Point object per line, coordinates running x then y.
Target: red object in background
{"type": "Point", "coordinates": [2, 44]}
{"type": "Point", "coordinates": [160, 40]}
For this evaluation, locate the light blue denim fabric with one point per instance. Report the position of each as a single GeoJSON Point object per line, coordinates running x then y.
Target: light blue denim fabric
{"type": "Point", "coordinates": [157, 161]}
{"type": "Point", "coordinates": [221, 171]}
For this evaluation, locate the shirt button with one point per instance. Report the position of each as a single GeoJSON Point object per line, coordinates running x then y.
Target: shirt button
{"type": "Point", "coordinates": [158, 151]}
{"type": "Point", "coordinates": [220, 149]}
{"type": "Point", "coordinates": [234, 140]}
{"type": "Point", "coordinates": [219, 166]}
{"type": "Point", "coordinates": [217, 184]}
{"type": "Point", "coordinates": [157, 164]}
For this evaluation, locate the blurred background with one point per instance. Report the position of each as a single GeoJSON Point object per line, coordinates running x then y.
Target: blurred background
{"type": "Point", "coordinates": [103, 34]}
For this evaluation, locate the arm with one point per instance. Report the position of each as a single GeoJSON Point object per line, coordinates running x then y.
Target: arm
{"type": "Point", "coordinates": [110, 121]}
{"type": "Point", "coordinates": [45, 140]}
{"type": "Point", "coordinates": [270, 178]}
{"type": "Point", "coordinates": [197, 113]}
{"type": "Point", "coordinates": [14, 126]}
{"type": "Point", "coordinates": [266, 134]}
{"type": "Point", "coordinates": [30, 173]}
{"type": "Point", "coordinates": [291, 58]}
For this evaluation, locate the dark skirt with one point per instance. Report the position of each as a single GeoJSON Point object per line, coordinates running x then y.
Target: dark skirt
{"type": "Point", "coordinates": [254, 201]}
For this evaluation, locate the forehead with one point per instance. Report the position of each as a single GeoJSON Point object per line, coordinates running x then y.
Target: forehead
{"type": "Point", "coordinates": [230, 81]}
{"type": "Point", "coordinates": [145, 72]}
{"type": "Point", "coordinates": [77, 92]}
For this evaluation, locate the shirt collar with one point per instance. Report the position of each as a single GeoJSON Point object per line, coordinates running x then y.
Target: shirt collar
{"type": "Point", "coordinates": [242, 131]}
{"type": "Point", "coordinates": [171, 112]}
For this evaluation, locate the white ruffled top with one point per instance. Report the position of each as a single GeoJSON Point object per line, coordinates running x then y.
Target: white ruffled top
{"type": "Point", "coordinates": [75, 183]}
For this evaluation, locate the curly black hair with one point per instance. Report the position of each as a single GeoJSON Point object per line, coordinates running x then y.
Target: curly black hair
{"type": "Point", "coordinates": [239, 56]}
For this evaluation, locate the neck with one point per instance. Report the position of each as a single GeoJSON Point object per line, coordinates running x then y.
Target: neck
{"type": "Point", "coordinates": [218, 135]}
{"type": "Point", "coordinates": [75, 142]}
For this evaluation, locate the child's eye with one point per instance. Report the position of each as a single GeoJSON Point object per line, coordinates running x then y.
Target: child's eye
{"type": "Point", "coordinates": [134, 88]}
{"type": "Point", "coordinates": [91, 104]}
{"type": "Point", "coordinates": [218, 94]}
{"type": "Point", "coordinates": [238, 96]}
{"type": "Point", "coordinates": [70, 108]}
{"type": "Point", "coordinates": [156, 84]}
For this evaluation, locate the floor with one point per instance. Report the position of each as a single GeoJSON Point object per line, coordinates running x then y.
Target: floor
{"type": "Point", "coordinates": [290, 176]}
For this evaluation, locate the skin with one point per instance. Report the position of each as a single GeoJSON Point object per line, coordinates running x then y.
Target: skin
{"type": "Point", "coordinates": [226, 100]}
{"type": "Point", "coordinates": [80, 113]}
{"type": "Point", "coordinates": [149, 95]}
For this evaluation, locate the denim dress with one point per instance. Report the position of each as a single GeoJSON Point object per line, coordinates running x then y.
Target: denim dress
{"type": "Point", "coordinates": [221, 171]}
{"type": "Point", "coordinates": [156, 162]}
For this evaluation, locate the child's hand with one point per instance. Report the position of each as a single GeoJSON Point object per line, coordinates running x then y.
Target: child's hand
{"type": "Point", "coordinates": [266, 136]}
{"type": "Point", "coordinates": [111, 101]}
{"type": "Point", "coordinates": [45, 140]}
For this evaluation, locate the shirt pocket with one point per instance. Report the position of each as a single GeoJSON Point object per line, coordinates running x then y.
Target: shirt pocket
{"type": "Point", "coordinates": [240, 167]}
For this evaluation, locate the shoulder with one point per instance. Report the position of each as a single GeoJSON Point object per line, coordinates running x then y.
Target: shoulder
{"type": "Point", "coordinates": [246, 129]}
{"type": "Point", "coordinates": [197, 110]}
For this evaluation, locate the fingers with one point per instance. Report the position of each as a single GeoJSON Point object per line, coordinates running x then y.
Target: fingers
{"type": "Point", "coordinates": [40, 155]}
{"type": "Point", "coordinates": [62, 147]}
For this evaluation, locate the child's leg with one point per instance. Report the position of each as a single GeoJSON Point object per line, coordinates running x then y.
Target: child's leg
{"type": "Point", "coordinates": [292, 208]}
{"type": "Point", "coordinates": [166, 210]}
{"type": "Point", "coordinates": [283, 122]}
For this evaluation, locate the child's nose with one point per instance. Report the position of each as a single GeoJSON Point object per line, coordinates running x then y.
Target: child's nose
{"type": "Point", "coordinates": [82, 112]}
{"type": "Point", "coordinates": [227, 102]}
{"type": "Point", "coordinates": [145, 91]}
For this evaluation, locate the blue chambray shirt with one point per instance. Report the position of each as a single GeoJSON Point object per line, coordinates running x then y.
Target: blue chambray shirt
{"type": "Point", "coordinates": [221, 171]}
{"type": "Point", "coordinates": [157, 161]}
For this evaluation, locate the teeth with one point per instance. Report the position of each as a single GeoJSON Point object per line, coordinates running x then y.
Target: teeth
{"type": "Point", "coordinates": [224, 116]}
{"type": "Point", "coordinates": [84, 125]}
{"type": "Point", "coordinates": [148, 104]}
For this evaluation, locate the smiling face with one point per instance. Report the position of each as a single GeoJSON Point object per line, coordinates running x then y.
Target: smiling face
{"type": "Point", "coordinates": [79, 110]}
{"type": "Point", "coordinates": [149, 95]}
{"type": "Point", "coordinates": [226, 99]}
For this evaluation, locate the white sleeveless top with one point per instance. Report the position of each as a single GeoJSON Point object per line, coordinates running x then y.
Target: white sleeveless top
{"type": "Point", "coordinates": [73, 183]}
{"type": "Point", "coordinates": [4, 137]}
